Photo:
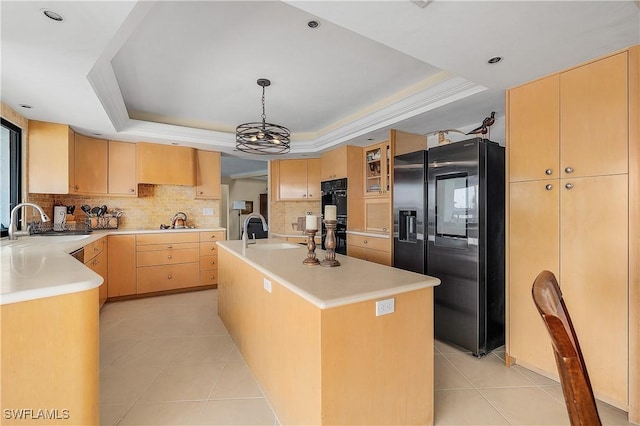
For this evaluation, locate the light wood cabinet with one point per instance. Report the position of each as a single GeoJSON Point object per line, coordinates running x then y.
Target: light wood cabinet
{"type": "Point", "coordinates": [299, 179]}
{"type": "Point", "coordinates": [594, 117]}
{"type": "Point", "coordinates": [167, 261]}
{"type": "Point", "coordinates": [166, 164]}
{"type": "Point", "coordinates": [96, 259]}
{"type": "Point", "coordinates": [209, 256]}
{"type": "Point", "coordinates": [377, 215]}
{"type": "Point", "coordinates": [574, 219]}
{"type": "Point", "coordinates": [373, 249]}
{"type": "Point", "coordinates": [51, 157]}
{"type": "Point", "coordinates": [534, 130]}
{"type": "Point", "coordinates": [122, 169]}
{"type": "Point", "coordinates": [377, 168]}
{"type": "Point", "coordinates": [334, 164]}
{"type": "Point", "coordinates": [207, 175]}
{"type": "Point", "coordinates": [91, 165]}
{"type": "Point", "coordinates": [122, 265]}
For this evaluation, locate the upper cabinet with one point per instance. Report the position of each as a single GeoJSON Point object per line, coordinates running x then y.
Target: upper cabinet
{"type": "Point", "coordinates": [377, 182]}
{"type": "Point", "coordinates": [122, 169]}
{"type": "Point", "coordinates": [50, 158]}
{"type": "Point", "coordinates": [207, 174]}
{"type": "Point", "coordinates": [63, 162]}
{"type": "Point", "coordinates": [166, 164]}
{"type": "Point", "coordinates": [534, 130]}
{"type": "Point", "coordinates": [334, 164]}
{"type": "Point", "coordinates": [593, 118]}
{"type": "Point", "coordinates": [572, 124]}
{"type": "Point", "coordinates": [298, 179]}
{"type": "Point", "coordinates": [91, 165]}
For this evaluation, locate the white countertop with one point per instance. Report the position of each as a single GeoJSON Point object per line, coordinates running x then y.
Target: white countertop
{"type": "Point", "coordinates": [353, 281]}
{"type": "Point", "coordinates": [36, 267]}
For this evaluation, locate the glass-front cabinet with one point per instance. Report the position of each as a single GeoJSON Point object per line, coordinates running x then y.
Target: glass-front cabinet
{"type": "Point", "coordinates": [376, 170]}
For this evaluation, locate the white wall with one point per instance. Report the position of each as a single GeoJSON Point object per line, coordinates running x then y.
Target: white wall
{"type": "Point", "coordinates": [247, 190]}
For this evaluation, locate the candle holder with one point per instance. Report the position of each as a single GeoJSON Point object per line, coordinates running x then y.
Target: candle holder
{"type": "Point", "coordinates": [311, 259]}
{"type": "Point", "coordinates": [330, 244]}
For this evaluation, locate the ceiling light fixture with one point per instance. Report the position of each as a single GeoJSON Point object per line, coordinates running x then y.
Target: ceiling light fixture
{"type": "Point", "coordinates": [313, 24]}
{"type": "Point", "coordinates": [262, 137]}
{"type": "Point", "coordinates": [53, 15]}
{"type": "Point", "coordinates": [25, 106]}
{"type": "Point", "coordinates": [494, 60]}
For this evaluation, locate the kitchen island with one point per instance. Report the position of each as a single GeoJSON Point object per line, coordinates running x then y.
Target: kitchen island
{"type": "Point", "coordinates": [311, 336]}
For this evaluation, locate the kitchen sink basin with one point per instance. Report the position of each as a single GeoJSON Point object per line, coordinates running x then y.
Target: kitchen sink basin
{"type": "Point", "coordinates": [273, 246]}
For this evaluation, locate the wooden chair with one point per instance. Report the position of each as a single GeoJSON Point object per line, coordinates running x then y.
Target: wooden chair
{"type": "Point", "coordinates": [576, 387]}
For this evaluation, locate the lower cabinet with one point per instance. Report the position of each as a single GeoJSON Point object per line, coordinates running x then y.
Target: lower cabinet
{"type": "Point", "coordinates": [167, 261]}
{"type": "Point", "coordinates": [122, 265]}
{"type": "Point", "coordinates": [96, 259]}
{"type": "Point", "coordinates": [209, 256]}
{"type": "Point", "coordinates": [372, 249]}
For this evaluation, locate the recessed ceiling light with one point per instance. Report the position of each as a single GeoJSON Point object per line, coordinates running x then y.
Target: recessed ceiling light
{"type": "Point", "coordinates": [369, 139]}
{"type": "Point", "coordinates": [175, 143]}
{"type": "Point", "coordinates": [494, 60]}
{"type": "Point", "coordinates": [25, 106]}
{"type": "Point", "coordinates": [313, 24]}
{"type": "Point", "coordinates": [97, 134]}
{"type": "Point", "coordinates": [53, 15]}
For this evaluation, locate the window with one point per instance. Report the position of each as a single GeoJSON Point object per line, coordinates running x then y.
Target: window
{"type": "Point", "coordinates": [10, 172]}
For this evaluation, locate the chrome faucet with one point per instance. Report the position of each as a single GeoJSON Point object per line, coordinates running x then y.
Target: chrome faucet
{"type": "Point", "coordinates": [265, 228]}
{"type": "Point", "coordinates": [13, 228]}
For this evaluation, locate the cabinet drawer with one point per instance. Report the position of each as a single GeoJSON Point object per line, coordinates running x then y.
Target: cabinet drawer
{"type": "Point", "coordinates": [166, 246]}
{"type": "Point", "coordinates": [208, 262]}
{"type": "Point", "coordinates": [212, 236]}
{"type": "Point", "coordinates": [208, 248]}
{"type": "Point", "coordinates": [376, 256]}
{"type": "Point", "coordinates": [167, 237]}
{"type": "Point", "coordinates": [374, 243]}
{"type": "Point", "coordinates": [168, 277]}
{"type": "Point", "coordinates": [209, 277]}
{"type": "Point", "coordinates": [166, 257]}
{"type": "Point", "coordinates": [93, 249]}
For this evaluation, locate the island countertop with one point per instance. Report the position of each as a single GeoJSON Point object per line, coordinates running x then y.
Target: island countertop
{"type": "Point", "coordinates": [353, 281]}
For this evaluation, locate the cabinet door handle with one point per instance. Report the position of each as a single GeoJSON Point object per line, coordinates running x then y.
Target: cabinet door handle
{"type": "Point", "coordinates": [310, 195]}
{"type": "Point", "coordinates": [200, 192]}
{"type": "Point", "coordinates": [365, 241]}
{"type": "Point", "coordinates": [169, 246]}
{"type": "Point", "coordinates": [212, 262]}
{"type": "Point", "coordinates": [549, 187]}
{"type": "Point", "coordinates": [569, 169]}
{"type": "Point", "coordinates": [95, 249]}
{"type": "Point", "coordinates": [304, 196]}
{"type": "Point", "coordinates": [132, 190]}
{"type": "Point", "coordinates": [569, 186]}
{"type": "Point", "coordinates": [169, 277]}
{"type": "Point", "coordinates": [548, 172]}
{"type": "Point", "coordinates": [169, 257]}
{"type": "Point", "coordinates": [213, 236]}
{"type": "Point", "coordinates": [213, 248]}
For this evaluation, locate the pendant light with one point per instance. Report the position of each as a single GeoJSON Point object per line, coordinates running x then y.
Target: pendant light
{"type": "Point", "coordinates": [262, 137]}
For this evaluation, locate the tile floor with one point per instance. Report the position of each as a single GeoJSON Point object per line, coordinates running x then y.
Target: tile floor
{"type": "Point", "coordinates": [169, 360]}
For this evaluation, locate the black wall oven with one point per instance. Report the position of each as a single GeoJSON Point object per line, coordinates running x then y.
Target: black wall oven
{"type": "Point", "coordinates": [334, 192]}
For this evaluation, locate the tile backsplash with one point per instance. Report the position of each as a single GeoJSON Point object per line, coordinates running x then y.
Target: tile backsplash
{"type": "Point", "coordinates": [154, 205]}
{"type": "Point", "coordinates": [285, 213]}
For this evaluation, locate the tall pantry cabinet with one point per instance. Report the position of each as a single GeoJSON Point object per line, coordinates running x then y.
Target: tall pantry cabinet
{"type": "Point", "coordinates": [573, 181]}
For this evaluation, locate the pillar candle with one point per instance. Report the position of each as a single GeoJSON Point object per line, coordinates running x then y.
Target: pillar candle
{"type": "Point", "coordinates": [330, 212]}
{"type": "Point", "coordinates": [312, 222]}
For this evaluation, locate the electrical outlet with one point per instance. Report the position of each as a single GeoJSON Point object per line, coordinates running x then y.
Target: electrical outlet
{"type": "Point", "coordinates": [386, 306]}
{"type": "Point", "coordinates": [267, 285]}
{"type": "Point", "coordinates": [207, 211]}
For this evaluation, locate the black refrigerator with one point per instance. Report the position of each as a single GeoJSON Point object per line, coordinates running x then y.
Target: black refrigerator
{"type": "Point", "coordinates": [409, 211]}
{"type": "Point", "coordinates": [465, 243]}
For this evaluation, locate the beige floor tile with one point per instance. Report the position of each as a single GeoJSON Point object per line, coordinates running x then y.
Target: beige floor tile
{"type": "Point", "coordinates": [153, 350]}
{"type": "Point", "coordinates": [205, 349]}
{"type": "Point", "coordinates": [121, 384]}
{"type": "Point", "coordinates": [464, 407]}
{"type": "Point", "coordinates": [445, 348]}
{"type": "Point", "coordinates": [527, 406]}
{"type": "Point", "coordinates": [254, 411]}
{"type": "Point", "coordinates": [536, 378]}
{"type": "Point", "coordinates": [111, 414]}
{"type": "Point", "coordinates": [487, 372]}
{"type": "Point", "coordinates": [235, 355]}
{"type": "Point", "coordinates": [446, 376]}
{"type": "Point", "coordinates": [236, 381]}
{"type": "Point", "coordinates": [165, 413]}
{"type": "Point", "coordinates": [113, 348]}
{"type": "Point", "coordinates": [183, 382]}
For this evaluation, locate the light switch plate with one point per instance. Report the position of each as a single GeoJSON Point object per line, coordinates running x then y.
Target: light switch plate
{"type": "Point", "coordinates": [267, 285]}
{"type": "Point", "coordinates": [207, 211]}
{"type": "Point", "coordinates": [385, 307]}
